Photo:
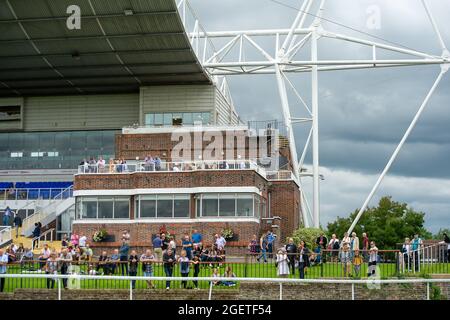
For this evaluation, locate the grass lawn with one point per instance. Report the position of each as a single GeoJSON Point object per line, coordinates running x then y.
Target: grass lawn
{"type": "Point", "coordinates": [251, 270]}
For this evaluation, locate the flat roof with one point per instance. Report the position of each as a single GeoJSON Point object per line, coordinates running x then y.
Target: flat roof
{"type": "Point", "coordinates": [121, 45]}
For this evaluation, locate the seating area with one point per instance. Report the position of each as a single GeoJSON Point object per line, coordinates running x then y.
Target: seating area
{"type": "Point", "coordinates": [33, 190]}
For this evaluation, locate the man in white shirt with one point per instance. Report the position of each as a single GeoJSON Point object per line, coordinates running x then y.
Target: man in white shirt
{"type": "Point", "coordinates": [101, 164]}
{"type": "Point", "coordinates": [220, 242]}
{"type": "Point", "coordinates": [82, 241]}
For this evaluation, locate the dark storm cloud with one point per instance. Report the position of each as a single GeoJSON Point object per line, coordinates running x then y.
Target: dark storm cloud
{"type": "Point", "coordinates": [363, 113]}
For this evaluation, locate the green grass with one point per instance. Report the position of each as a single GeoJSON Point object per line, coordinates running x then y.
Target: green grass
{"type": "Point", "coordinates": [249, 270]}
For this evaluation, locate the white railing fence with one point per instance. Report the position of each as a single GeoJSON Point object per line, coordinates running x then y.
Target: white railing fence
{"type": "Point", "coordinates": [45, 236]}
{"type": "Point", "coordinates": [5, 234]}
{"type": "Point", "coordinates": [374, 283]}
{"type": "Point", "coordinates": [42, 213]}
{"type": "Point", "coordinates": [431, 259]}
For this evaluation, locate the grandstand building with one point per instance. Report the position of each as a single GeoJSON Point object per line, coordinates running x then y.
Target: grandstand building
{"type": "Point", "coordinates": [120, 88]}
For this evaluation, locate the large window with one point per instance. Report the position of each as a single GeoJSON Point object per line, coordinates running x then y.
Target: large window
{"type": "Point", "coordinates": [53, 150]}
{"type": "Point", "coordinates": [229, 205]}
{"type": "Point", "coordinates": [103, 207]}
{"type": "Point", "coordinates": [177, 118]}
{"type": "Point", "coordinates": [162, 206]}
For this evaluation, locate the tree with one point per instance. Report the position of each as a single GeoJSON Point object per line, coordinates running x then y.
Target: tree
{"type": "Point", "coordinates": [387, 224]}
{"type": "Point", "coordinates": [440, 234]}
{"type": "Point", "coordinates": [309, 235]}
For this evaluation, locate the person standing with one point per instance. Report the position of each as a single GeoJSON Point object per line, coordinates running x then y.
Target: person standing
{"type": "Point", "coordinates": [197, 238]}
{"type": "Point", "coordinates": [187, 246]}
{"type": "Point", "coordinates": [303, 259]}
{"type": "Point", "coordinates": [354, 244]}
{"type": "Point", "coordinates": [115, 259]}
{"type": "Point", "coordinates": [357, 262]}
{"type": "Point", "coordinates": [365, 245]}
{"type": "Point", "coordinates": [147, 260]}
{"type": "Point", "coordinates": [82, 241]}
{"type": "Point", "coordinates": [346, 260]}
{"type": "Point", "coordinates": [123, 256]}
{"type": "Point", "coordinates": [345, 240]}
{"type": "Point", "coordinates": [168, 260]}
{"type": "Point", "coordinates": [157, 247]}
{"type": "Point", "coordinates": [196, 263]}
{"type": "Point", "coordinates": [271, 237]}
{"type": "Point", "coordinates": [282, 263]}
{"type": "Point", "coordinates": [133, 261]}
{"type": "Point", "coordinates": [291, 250]}
{"type": "Point", "coordinates": [51, 268]}
{"type": "Point", "coordinates": [406, 253]}
{"type": "Point", "coordinates": [17, 223]}
{"type": "Point", "coordinates": [103, 260]}
{"type": "Point", "coordinates": [263, 244]}
{"type": "Point", "coordinates": [220, 242]}
{"type": "Point", "coordinates": [184, 267]}
{"type": "Point", "coordinates": [333, 247]}
{"type": "Point", "coordinates": [447, 242]}
{"type": "Point", "coordinates": [7, 215]}
{"type": "Point", "coordinates": [416, 245]}
{"type": "Point", "coordinates": [74, 239]}
{"type": "Point", "coordinates": [36, 233]}
{"type": "Point", "coordinates": [373, 258]}
{"type": "Point", "coordinates": [164, 242]}
{"type": "Point", "coordinates": [253, 244]}
{"type": "Point", "coordinates": [322, 241]}
{"type": "Point", "coordinates": [3, 268]}
{"type": "Point", "coordinates": [65, 259]}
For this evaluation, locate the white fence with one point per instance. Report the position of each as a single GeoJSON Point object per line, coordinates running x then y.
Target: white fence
{"type": "Point", "coordinates": [430, 259]}
{"type": "Point", "coordinates": [5, 234]}
{"type": "Point", "coordinates": [369, 282]}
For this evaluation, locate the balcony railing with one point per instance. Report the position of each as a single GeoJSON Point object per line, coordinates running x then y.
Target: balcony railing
{"type": "Point", "coordinates": [34, 194]}
{"type": "Point", "coordinates": [217, 165]}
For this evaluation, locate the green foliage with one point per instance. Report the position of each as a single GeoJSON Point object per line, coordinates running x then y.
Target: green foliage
{"type": "Point", "coordinates": [309, 235]}
{"type": "Point", "coordinates": [387, 224]}
{"type": "Point", "coordinates": [440, 234]}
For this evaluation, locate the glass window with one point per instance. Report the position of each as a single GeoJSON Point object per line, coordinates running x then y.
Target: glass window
{"type": "Point", "coordinates": [227, 205]}
{"type": "Point", "coordinates": [164, 206]}
{"type": "Point", "coordinates": [149, 119]}
{"type": "Point", "coordinates": [256, 206]}
{"type": "Point", "coordinates": [167, 119]}
{"type": "Point", "coordinates": [89, 208]}
{"type": "Point", "coordinates": [206, 117]}
{"type": "Point", "coordinates": [148, 207]}
{"type": "Point", "coordinates": [187, 118]}
{"type": "Point", "coordinates": [105, 208]}
{"type": "Point", "coordinates": [158, 119]}
{"type": "Point", "coordinates": [181, 206]}
{"type": "Point", "coordinates": [197, 117]}
{"type": "Point", "coordinates": [244, 205]}
{"type": "Point", "coordinates": [121, 208]}
{"type": "Point", "coordinates": [210, 205]}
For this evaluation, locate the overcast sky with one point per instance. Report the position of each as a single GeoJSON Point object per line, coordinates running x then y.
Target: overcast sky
{"type": "Point", "coordinates": [364, 113]}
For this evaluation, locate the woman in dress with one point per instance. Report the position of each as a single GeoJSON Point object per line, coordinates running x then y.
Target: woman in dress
{"type": "Point", "coordinates": [282, 263]}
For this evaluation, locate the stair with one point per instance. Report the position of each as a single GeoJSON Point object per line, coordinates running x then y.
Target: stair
{"type": "Point", "coordinates": [27, 243]}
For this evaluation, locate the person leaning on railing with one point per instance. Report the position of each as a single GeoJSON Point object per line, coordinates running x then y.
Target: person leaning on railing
{"type": "Point", "coordinates": [3, 268]}
{"type": "Point", "coordinates": [147, 260]}
{"type": "Point", "coordinates": [169, 261]}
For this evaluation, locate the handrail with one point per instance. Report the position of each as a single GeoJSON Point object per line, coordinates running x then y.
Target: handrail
{"type": "Point", "coordinates": [38, 238]}
{"type": "Point", "coordinates": [19, 197]}
{"type": "Point", "coordinates": [31, 219]}
{"type": "Point", "coordinates": [7, 230]}
{"type": "Point", "coordinates": [184, 166]}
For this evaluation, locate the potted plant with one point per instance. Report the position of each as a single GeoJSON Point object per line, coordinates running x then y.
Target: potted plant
{"type": "Point", "coordinates": [228, 234]}
{"type": "Point", "coordinates": [99, 236]}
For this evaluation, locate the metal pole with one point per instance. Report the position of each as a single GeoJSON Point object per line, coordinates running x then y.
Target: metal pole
{"type": "Point", "coordinates": [315, 131]}
{"type": "Point", "coordinates": [210, 290]}
{"type": "Point", "coordinates": [396, 152]}
{"type": "Point", "coordinates": [131, 289]}
{"type": "Point", "coordinates": [281, 291]}
{"type": "Point", "coordinates": [353, 291]}
{"type": "Point", "coordinates": [428, 291]}
{"type": "Point", "coordinates": [59, 289]}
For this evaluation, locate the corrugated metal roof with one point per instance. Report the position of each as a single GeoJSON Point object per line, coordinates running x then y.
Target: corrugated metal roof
{"type": "Point", "coordinates": [112, 51]}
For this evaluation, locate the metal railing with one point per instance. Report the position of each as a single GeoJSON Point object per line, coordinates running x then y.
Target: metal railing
{"type": "Point", "coordinates": [434, 258]}
{"type": "Point", "coordinates": [32, 194]}
{"type": "Point", "coordinates": [5, 234]}
{"type": "Point", "coordinates": [45, 236]}
{"type": "Point", "coordinates": [42, 213]}
{"type": "Point", "coordinates": [186, 166]}
{"type": "Point", "coordinates": [79, 281]}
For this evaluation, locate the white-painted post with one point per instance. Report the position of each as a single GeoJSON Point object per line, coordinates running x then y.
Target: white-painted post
{"type": "Point", "coordinates": [315, 131]}
{"type": "Point", "coordinates": [210, 290]}
{"type": "Point", "coordinates": [281, 291]}
{"type": "Point", "coordinates": [353, 291]}
{"type": "Point", "coordinates": [131, 289]}
{"type": "Point", "coordinates": [59, 289]}
{"type": "Point", "coordinates": [428, 291]}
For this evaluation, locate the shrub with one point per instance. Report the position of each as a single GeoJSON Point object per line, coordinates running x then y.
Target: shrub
{"type": "Point", "coordinates": [309, 235]}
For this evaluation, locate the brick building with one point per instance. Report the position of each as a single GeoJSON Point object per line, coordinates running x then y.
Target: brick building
{"type": "Point", "coordinates": [228, 188]}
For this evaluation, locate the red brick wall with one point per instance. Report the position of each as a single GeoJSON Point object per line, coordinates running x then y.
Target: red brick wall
{"type": "Point", "coordinates": [285, 202]}
{"type": "Point", "coordinates": [141, 233]}
{"type": "Point", "coordinates": [130, 146]}
{"type": "Point", "coordinates": [169, 180]}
